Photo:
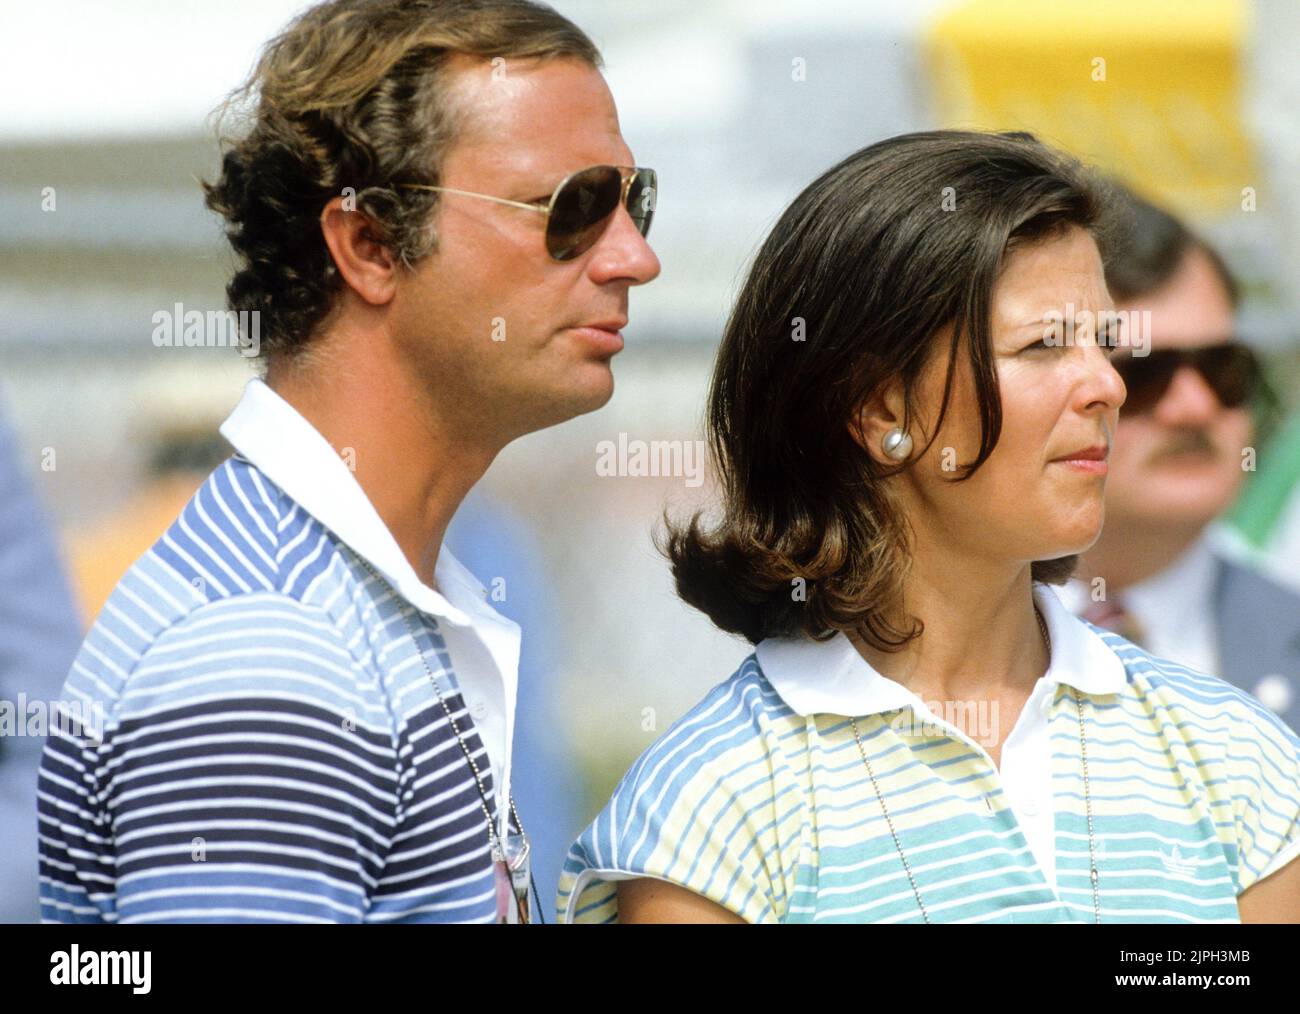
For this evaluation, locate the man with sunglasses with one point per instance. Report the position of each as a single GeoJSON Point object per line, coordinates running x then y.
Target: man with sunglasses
{"type": "Point", "coordinates": [1164, 572]}
{"type": "Point", "coordinates": [310, 702]}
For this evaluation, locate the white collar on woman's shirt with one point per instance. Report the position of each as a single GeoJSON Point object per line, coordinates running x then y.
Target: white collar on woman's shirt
{"type": "Point", "coordinates": [831, 677]}
{"type": "Point", "coordinates": [292, 453]}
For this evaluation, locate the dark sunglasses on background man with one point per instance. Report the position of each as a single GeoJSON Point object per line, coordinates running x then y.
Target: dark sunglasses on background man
{"type": "Point", "coordinates": [580, 209]}
{"type": "Point", "coordinates": [1231, 369]}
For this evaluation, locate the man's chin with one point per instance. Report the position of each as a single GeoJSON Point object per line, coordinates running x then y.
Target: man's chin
{"type": "Point", "coordinates": [594, 403]}
{"type": "Point", "coordinates": [1190, 499]}
{"type": "Point", "coordinates": [1165, 513]}
{"type": "Point", "coordinates": [597, 386]}
{"type": "Point", "coordinates": [578, 399]}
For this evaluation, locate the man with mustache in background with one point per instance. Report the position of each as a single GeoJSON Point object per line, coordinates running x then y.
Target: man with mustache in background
{"type": "Point", "coordinates": [1169, 578]}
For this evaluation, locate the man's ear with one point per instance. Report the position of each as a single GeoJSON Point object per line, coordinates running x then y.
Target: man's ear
{"type": "Point", "coordinates": [878, 414]}
{"type": "Point", "coordinates": [365, 263]}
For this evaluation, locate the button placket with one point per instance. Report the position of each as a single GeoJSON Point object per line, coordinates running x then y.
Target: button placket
{"type": "Point", "coordinates": [1031, 786]}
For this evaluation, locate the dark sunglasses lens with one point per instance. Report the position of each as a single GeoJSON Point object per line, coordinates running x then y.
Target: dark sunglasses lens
{"type": "Point", "coordinates": [581, 211]}
{"type": "Point", "coordinates": [1231, 370]}
{"type": "Point", "coordinates": [1146, 377]}
{"type": "Point", "coordinates": [641, 197]}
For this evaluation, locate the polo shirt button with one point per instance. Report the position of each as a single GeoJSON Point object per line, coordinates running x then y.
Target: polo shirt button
{"type": "Point", "coordinates": [1030, 808]}
{"type": "Point", "coordinates": [478, 708]}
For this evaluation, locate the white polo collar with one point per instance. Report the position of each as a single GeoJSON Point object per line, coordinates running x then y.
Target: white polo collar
{"type": "Point", "coordinates": [292, 453]}
{"type": "Point", "coordinates": [831, 677]}
{"type": "Point", "coordinates": [288, 450]}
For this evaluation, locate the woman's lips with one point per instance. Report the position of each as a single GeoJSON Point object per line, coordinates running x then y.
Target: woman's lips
{"type": "Point", "coordinates": [1091, 460]}
{"type": "Point", "coordinates": [1092, 466]}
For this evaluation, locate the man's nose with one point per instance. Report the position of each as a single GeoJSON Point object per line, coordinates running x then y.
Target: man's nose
{"type": "Point", "coordinates": [623, 254]}
{"type": "Point", "coordinates": [1189, 399]}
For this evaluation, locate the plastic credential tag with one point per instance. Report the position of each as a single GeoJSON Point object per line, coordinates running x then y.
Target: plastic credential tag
{"type": "Point", "coordinates": [511, 873]}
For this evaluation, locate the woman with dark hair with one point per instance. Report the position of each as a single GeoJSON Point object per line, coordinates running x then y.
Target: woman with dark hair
{"type": "Point", "coordinates": [910, 414]}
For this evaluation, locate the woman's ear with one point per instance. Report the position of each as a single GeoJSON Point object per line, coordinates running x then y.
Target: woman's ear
{"type": "Point", "coordinates": [879, 415]}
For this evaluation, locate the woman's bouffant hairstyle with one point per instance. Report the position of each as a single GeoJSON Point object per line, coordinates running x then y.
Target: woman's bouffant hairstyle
{"type": "Point", "coordinates": [852, 289]}
{"type": "Point", "coordinates": [353, 94]}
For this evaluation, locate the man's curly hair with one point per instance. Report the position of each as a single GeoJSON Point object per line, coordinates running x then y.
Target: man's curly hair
{"type": "Point", "coordinates": [352, 94]}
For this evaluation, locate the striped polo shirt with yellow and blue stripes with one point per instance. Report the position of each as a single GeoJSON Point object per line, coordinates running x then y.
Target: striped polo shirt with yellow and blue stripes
{"type": "Point", "coordinates": [758, 798]}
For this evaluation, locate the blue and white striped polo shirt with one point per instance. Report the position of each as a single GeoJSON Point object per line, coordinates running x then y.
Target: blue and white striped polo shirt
{"type": "Point", "coordinates": [758, 798]}
{"type": "Point", "coordinates": [272, 747]}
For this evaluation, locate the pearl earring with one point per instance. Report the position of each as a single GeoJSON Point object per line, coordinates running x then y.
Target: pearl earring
{"type": "Point", "coordinates": [897, 444]}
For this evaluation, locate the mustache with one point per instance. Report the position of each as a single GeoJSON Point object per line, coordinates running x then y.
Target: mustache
{"type": "Point", "coordinates": [1187, 441]}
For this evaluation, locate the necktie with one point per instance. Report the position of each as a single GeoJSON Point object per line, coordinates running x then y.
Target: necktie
{"type": "Point", "coordinates": [1113, 616]}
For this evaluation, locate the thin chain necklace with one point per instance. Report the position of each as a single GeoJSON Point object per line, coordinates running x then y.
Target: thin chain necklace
{"type": "Point", "coordinates": [1087, 796]}
{"type": "Point", "coordinates": [494, 840]}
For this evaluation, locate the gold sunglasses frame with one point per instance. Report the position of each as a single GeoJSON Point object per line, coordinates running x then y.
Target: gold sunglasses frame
{"type": "Point", "coordinates": [548, 207]}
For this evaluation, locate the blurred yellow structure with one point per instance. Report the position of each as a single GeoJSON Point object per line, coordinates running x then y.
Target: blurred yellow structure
{"type": "Point", "coordinates": [99, 556]}
{"type": "Point", "coordinates": [1151, 90]}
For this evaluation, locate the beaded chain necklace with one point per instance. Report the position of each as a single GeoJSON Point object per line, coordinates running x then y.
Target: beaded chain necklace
{"type": "Point", "coordinates": [511, 868]}
{"type": "Point", "coordinates": [1087, 796]}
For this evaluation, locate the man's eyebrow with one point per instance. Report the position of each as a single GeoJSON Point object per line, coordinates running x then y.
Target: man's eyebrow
{"type": "Point", "coordinates": [530, 182]}
{"type": "Point", "coordinates": [543, 184]}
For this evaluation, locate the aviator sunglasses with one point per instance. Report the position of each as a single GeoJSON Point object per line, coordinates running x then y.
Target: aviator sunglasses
{"type": "Point", "coordinates": [1231, 370]}
{"type": "Point", "coordinates": [579, 210]}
